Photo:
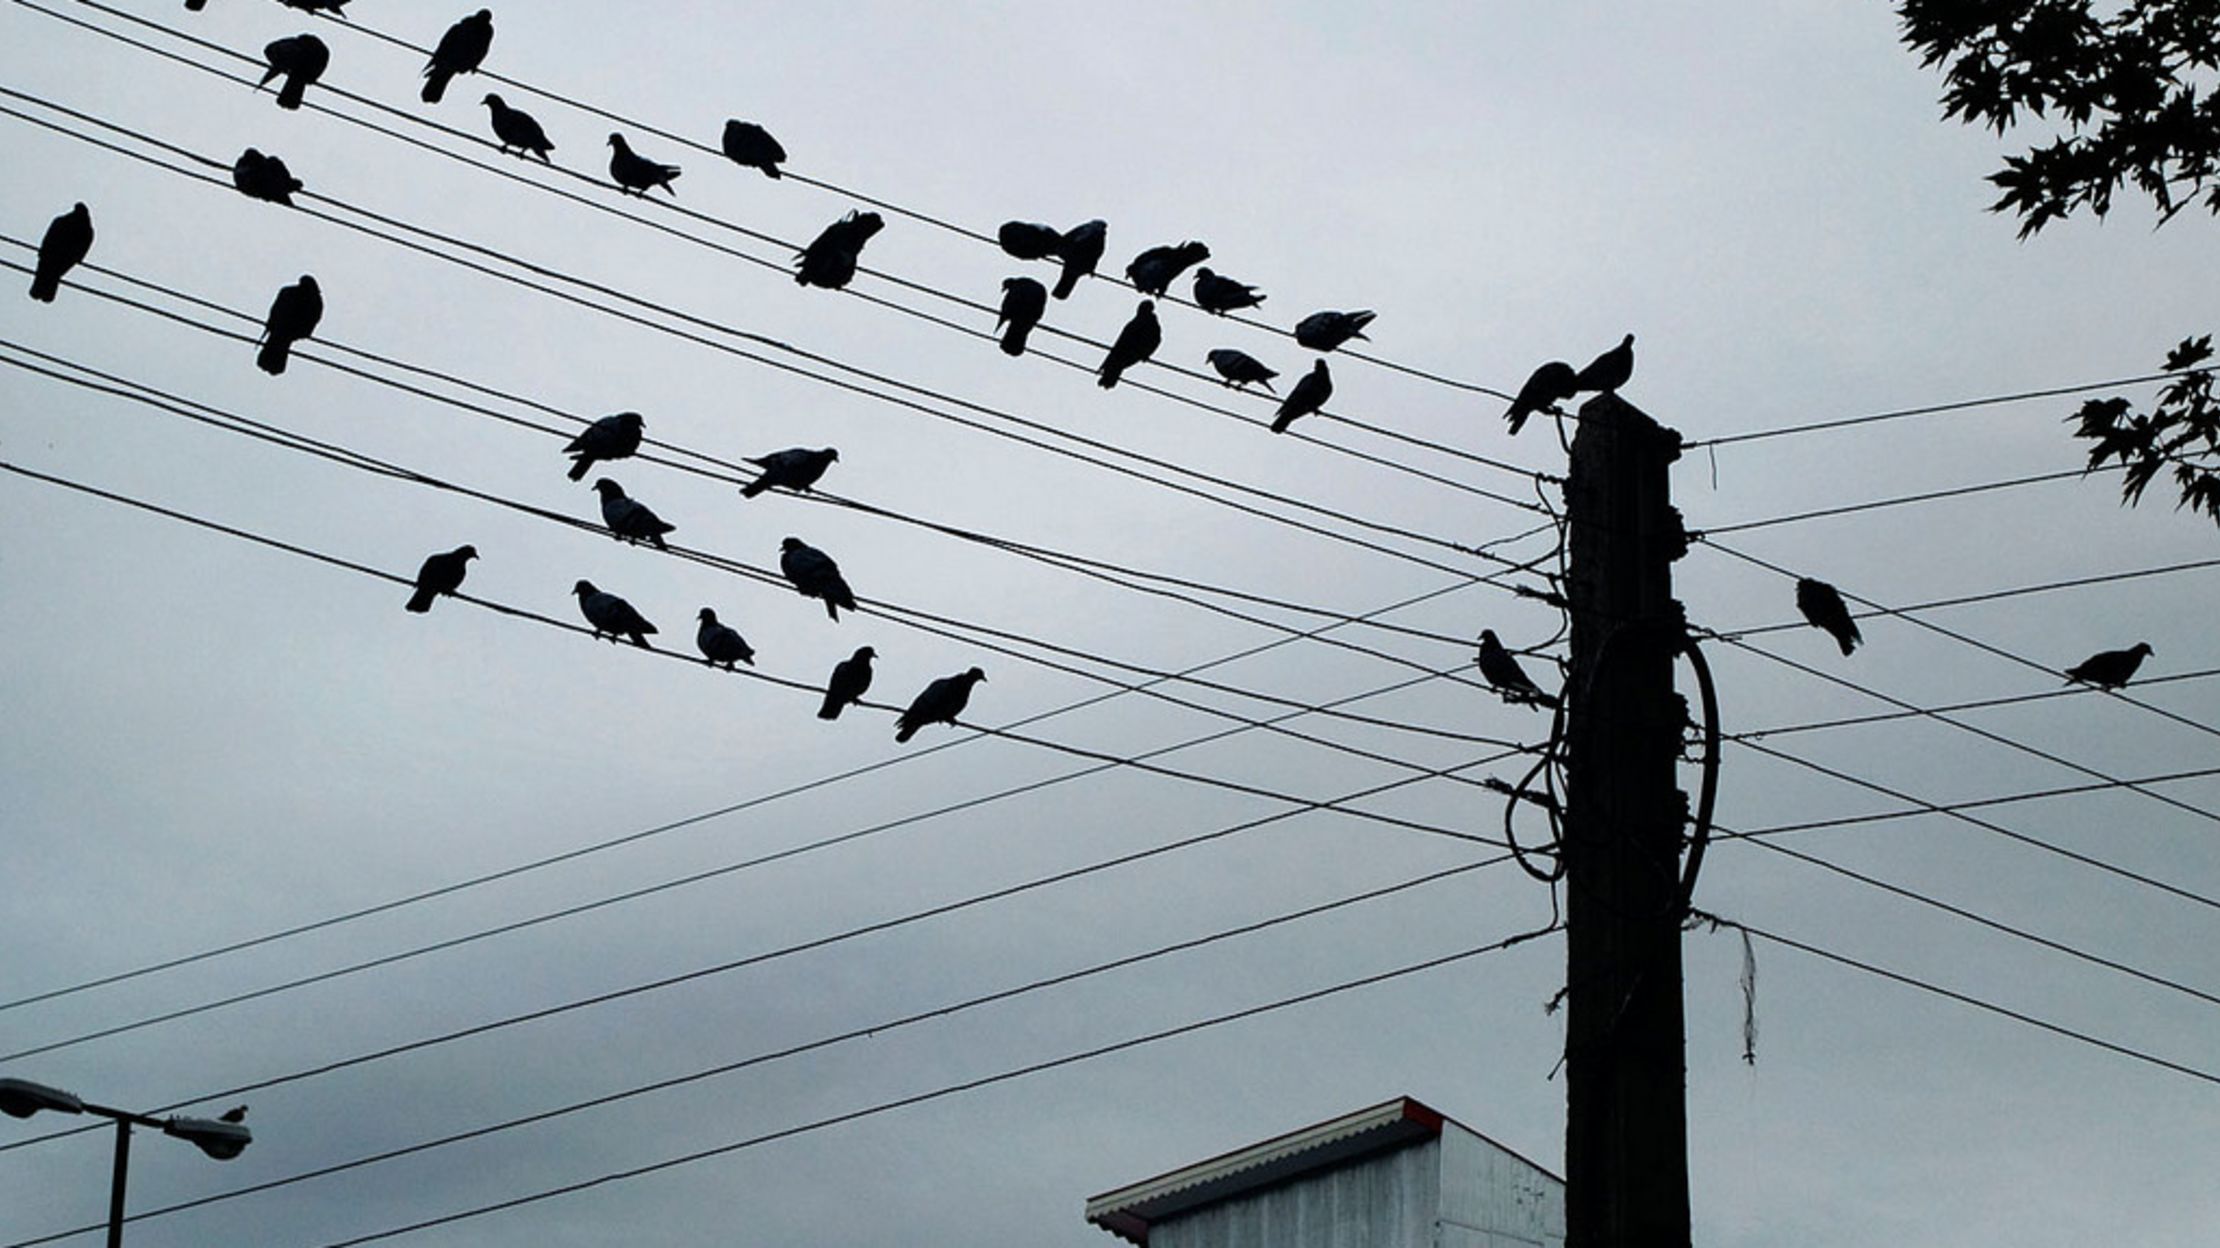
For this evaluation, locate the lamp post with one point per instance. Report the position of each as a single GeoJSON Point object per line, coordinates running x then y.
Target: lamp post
{"type": "Point", "coordinates": [217, 1137]}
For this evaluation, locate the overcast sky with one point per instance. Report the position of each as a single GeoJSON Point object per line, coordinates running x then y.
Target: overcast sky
{"type": "Point", "coordinates": [211, 740]}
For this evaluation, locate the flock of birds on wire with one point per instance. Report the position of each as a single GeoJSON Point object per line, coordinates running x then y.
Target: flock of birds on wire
{"type": "Point", "coordinates": [830, 261]}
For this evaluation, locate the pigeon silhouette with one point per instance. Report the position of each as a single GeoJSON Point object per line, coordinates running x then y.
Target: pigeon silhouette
{"type": "Point", "coordinates": [830, 259]}
{"type": "Point", "coordinates": [195, 6]}
{"type": "Point", "coordinates": [1239, 368]}
{"type": "Point", "coordinates": [302, 59]}
{"type": "Point", "coordinates": [611, 437]}
{"type": "Point", "coordinates": [1323, 331]}
{"type": "Point", "coordinates": [851, 679]}
{"type": "Point", "coordinates": [1153, 271]}
{"type": "Point", "coordinates": [1219, 294]}
{"type": "Point", "coordinates": [1029, 240]}
{"type": "Point", "coordinates": [1609, 371]}
{"type": "Point", "coordinates": [1505, 676]}
{"type": "Point", "coordinates": [611, 616]}
{"type": "Point", "coordinates": [2110, 669]}
{"type": "Point", "coordinates": [1080, 249]}
{"type": "Point", "coordinates": [68, 240]}
{"type": "Point", "coordinates": [317, 6]}
{"type": "Point", "coordinates": [293, 316]}
{"type": "Point", "coordinates": [1136, 342]}
{"type": "Point", "coordinates": [1824, 609]}
{"type": "Point", "coordinates": [813, 572]}
{"type": "Point", "coordinates": [237, 1113]}
{"type": "Point", "coordinates": [721, 644]}
{"type": "Point", "coordinates": [441, 574]}
{"type": "Point", "coordinates": [629, 518]}
{"type": "Point", "coordinates": [636, 174]}
{"type": "Point", "coordinates": [796, 468]}
{"type": "Point", "coordinates": [461, 50]}
{"type": "Point", "coordinates": [940, 703]}
{"type": "Point", "coordinates": [1551, 384]}
{"type": "Point", "coordinates": [1023, 302]}
{"type": "Point", "coordinates": [751, 146]}
{"type": "Point", "coordinates": [264, 177]}
{"type": "Point", "coordinates": [515, 128]}
{"type": "Point", "coordinates": [1308, 396]}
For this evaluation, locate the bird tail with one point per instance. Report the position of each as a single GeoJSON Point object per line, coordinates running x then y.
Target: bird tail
{"type": "Point", "coordinates": [435, 83]}
{"type": "Point", "coordinates": [1109, 377]}
{"type": "Point", "coordinates": [769, 171]}
{"type": "Point", "coordinates": [755, 487]}
{"type": "Point", "coordinates": [904, 731]}
{"type": "Point", "coordinates": [289, 96]}
{"type": "Point", "coordinates": [421, 600]}
{"type": "Point", "coordinates": [640, 639]}
{"type": "Point", "coordinates": [195, 6]}
{"type": "Point", "coordinates": [1281, 422]}
{"type": "Point", "coordinates": [1848, 641]}
{"type": "Point", "coordinates": [44, 286]}
{"type": "Point", "coordinates": [1013, 339]}
{"type": "Point", "coordinates": [1516, 417]}
{"type": "Point", "coordinates": [271, 359]}
{"type": "Point", "coordinates": [579, 467]}
{"type": "Point", "coordinates": [1066, 283]}
{"type": "Point", "coordinates": [832, 606]}
{"type": "Point", "coordinates": [831, 708]}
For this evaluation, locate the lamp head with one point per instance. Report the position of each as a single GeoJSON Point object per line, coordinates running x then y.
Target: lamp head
{"type": "Point", "coordinates": [220, 1140]}
{"type": "Point", "coordinates": [21, 1098]}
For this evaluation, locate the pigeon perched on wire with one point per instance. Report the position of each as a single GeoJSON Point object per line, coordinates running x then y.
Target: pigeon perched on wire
{"type": "Point", "coordinates": [516, 129]}
{"type": "Point", "coordinates": [2110, 669]}
{"type": "Point", "coordinates": [721, 645]}
{"type": "Point", "coordinates": [814, 573]}
{"type": "Point", "coordinates": [68, 240]}
{"type": "Point", "coordinates": [752, 147]}
{"type": "Point", "coordinates": [237, 1113]}
{"type": "Point", "coordinates": [629, 518]}
{"type": "Point", "coordinates": [611, 616]}
{"type": "Point", "coordinates": [317, 6]}
{"type": "Point", "coordinates": [796, 468]}
{"type": "Point", "coordinates": [1080, 249]}
{"type": "Point", "coordinates": [302, 59]}
{"type": "Point", "coordinates": [1505, 676]}
{"type": "Point", "coordinates": [1239, 368]}
{"type": "Point", "coordinates": [1220, 294]}
{"type": "Point", "coordinates": [1029, 240]}
{"type": "Point", "coordinates": [293, 316]}
{"type": "Point", "coordinates": [636, 174]}
{"type": "Point", "coordinates": [1609, 371]}
{"type": "Point", "coordinates": [830, 259]}
{"type": "Point", "coordinates": [1307, 396]}
{"type": "Point", "coordinates": [1153, 271]}
{"type": "Point", "coordinates": [1023, 303]}
{"type": "Point", "coordinates": [851, 679]}
{"type": "Point", "coordinates": [461, 50]}
{"type": "Point", "coordinates": [1136, 342]}
{"type": "Point", "coordinates": [940, 703]}
{"type": "Point", "coordinates": [1823, 609]}
{"type": "Point", "coordinates": [264, 177]}
{"type": "Point", "coordinates": [441, 574]}
{"type": "Point", "coordinates": [1551, 384]}
{"type": "Point", "coordinates": [611, 437]}
{"type": "Point", "coordinates": [1323, 331]}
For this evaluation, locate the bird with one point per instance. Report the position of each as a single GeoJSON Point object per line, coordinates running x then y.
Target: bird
{"type": "Point", "coordinates": [1323, 331]}
{"type": "Point", "coordinates": [461, 50]}
{"type": "Point", "coordinates": [1023, 302]}
{"type": "Point", "coordinates": [302, 59]}
{"type": "Point", "coordinates": [636, 174]}
{"type": "Point", "coordinates": [796, 468]}
{"type": "Point", "coordinates": [1219, 294]}
{"type": "Point", "coordinates": [940, 703]}
{"type": "Point", "coordinates": [441, 574]}
{"type": "Point", "coordinates": [1029, 240]}
{"type": "Point", "coordinates": [629, 518]}
{"type": "Point", "coordinates": [721, 644]}
{"type": "Point", "coordinates": [1080, 249]}
{"type": "Point", "coordinates": [237, 1113]}
{"type": "Point", "coordinates": [611, 616]}
{"type": "Point", "coordinates": [68, 240]}
{"type": "Point", "coordinates": [1609, 371]}
{"type": "Point", "coordinates": [851, 678]}
{"type": "Point", "coordinates": [1549, 385]}
{"type": "Point", "coordinates": [317, 6]}
{"type": "Point", "coordinates": [1153, 271]}
{"type": "Point", "coordinates": [263, 177]}
{"type": "Point", "coordinates": [830, 259]}
{"type": "Point", "coordinates": [1239, 368]}
{"type": "Point", "coordinates": [2110, 669]}
{"type": "Point", "coordinates": [611, 437]}
{"type": "Point", "coordinates": [195, 6]}
{"type": "Point", "coordinates": [751, 146]}
{"type": "Point", "coordinates": [1136, 342]}
{"type": "Point", "coordinates": [1505, 676]}
{"type": "Point", "coordinates": [813, 572]}
{"type": "Point", "coordinates": [293, 316]}
{"type": "Point", "coordinates": [1307, 396]}
{"type": "Point", "coordinates": [515, 128]}
{"type": "Point", "coordinates": [1823, 609]}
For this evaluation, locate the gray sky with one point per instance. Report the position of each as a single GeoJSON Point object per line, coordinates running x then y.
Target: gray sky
{"type": "Point", "coordinates": [213, 740]}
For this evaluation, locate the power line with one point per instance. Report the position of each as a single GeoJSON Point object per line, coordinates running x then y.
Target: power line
{"type": "Point", "coordinates": [2006, 799]}
{"type": "Point", "coordinates": [1905, 500]}
{"type": "Point", "coordinates": [1934, 409]}
{"type": "Point", "coordinates": [1994, 595]}
{"type": "Point", "coordinates": [2071, 691]}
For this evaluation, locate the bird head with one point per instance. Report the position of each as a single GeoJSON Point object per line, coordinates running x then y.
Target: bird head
{"type": "Point", "coordinates": [1193, 251]}
{"type": "Point", "coordinates": [631, 420]}
{"type": "Point", "coordinates": [1147, 308]}
{"type": "Point", "coordinates": [466, 553]}
{"type": "Point", "coordinates": [583, 588]}
{"type": "Point", "coordinates": [791, 543]}
{"type": "Point", "coordinates": [493, 101]}
{"type": "Point", "coordinates": [707, 616]}
{"type": "Point", "coordinates": [866, 653]}
{"type": "Point", "coordinates": [975, 674]}
{"type": "Point", "coordinates": [1487, 637]}
{"type": "Point", "coordinates": [608, 489]}
{"type": "Point", "coordinates": [2143, 648]}
{"type": "Point", "coordinates": [308, 283]}
{"type": "Point", "coordinates": [1204, 274]}
{"type": "Point", "coordinates": [617, 141]}
{"type": "Point", "coordinates": [831, 455]}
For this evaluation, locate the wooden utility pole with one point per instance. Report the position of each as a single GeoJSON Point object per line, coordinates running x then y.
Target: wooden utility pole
{"type": "Point", "coordinates": [1626, 1129]}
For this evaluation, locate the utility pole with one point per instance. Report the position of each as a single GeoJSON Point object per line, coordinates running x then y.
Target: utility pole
{"type": "Point", "coordinates": [1626, 1128]}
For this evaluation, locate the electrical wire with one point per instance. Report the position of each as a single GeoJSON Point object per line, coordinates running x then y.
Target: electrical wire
{"type": "Point", "coordinates": [1905, 500]}
{"type": "Point", "coordinates": [1934, 409]}
{"type": "Point", "coordinates": [2071, 691]}
{"type": "Point", "coordinates": [1978, 803]}
{"type": "Point", "coordinates": [1994, 595]}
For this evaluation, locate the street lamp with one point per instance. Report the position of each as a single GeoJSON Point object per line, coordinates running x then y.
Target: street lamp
{"type": "Point", "coordinates": [220, 1138]}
